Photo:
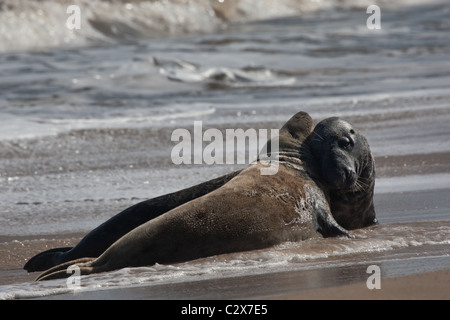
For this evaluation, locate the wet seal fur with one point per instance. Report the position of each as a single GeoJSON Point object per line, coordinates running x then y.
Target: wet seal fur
{"type": "Point", "coordinates": [253, 211]}
{"type": "Point", "coordinates": [291, 136]}
{"type": "Point", "coordinates": [347, 170]}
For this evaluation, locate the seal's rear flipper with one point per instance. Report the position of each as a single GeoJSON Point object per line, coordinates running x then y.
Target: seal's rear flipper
{"type": "Point", "coordinates": [45, 260]}
{"type": "Point", "coordinates": [63, 271]}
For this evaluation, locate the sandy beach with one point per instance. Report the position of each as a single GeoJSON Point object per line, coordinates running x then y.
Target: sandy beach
{"type": "Point", "coordinates": [423, 286]}
{"type": "Point", "coordinates": [87, 118]}
{"type": "Point", "coordinates": [400, 278]}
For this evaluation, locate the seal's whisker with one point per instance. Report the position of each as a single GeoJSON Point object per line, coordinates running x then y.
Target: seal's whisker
{"type": "Point", "coordinates": [360, 185]}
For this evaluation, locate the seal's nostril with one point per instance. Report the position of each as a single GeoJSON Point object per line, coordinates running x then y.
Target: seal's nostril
{"type": "Point", "coordinates": [350, 174]}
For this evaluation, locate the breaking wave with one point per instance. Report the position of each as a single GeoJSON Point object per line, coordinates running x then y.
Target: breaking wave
{"type": "Point", "coordinates": [43, 24]}
{"type": "Point", "coordinates": [218, 77]}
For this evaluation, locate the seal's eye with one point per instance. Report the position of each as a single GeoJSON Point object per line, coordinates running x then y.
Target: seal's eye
{"type": "Point", "coordinates": [344, 143]}
{"type": "Point", "coordinates": [352, 131]}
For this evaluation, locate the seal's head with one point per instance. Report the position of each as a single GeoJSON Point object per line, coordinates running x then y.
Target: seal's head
{"type": "Point", "coordinates": [341, 153]}
{"type": "Point", "coordinates": [347, 169]}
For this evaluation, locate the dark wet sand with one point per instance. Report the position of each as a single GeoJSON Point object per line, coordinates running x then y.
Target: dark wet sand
{"type": "Point", "coordinates": [15, 250]}
{"type": "Point", "coordinates": [285, 286]}
{"type": "Point", "coordinates": [423, 286]}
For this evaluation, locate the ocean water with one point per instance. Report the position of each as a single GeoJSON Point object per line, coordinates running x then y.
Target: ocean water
{"type": "Point", "coordinates": [86, 116]}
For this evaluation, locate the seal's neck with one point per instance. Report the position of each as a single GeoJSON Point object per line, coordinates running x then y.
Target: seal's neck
{"type": "Point", "coordinates": [353, 210]}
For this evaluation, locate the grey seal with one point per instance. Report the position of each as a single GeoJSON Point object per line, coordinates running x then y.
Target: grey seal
{"type": "Point", "coordinates": [100, 238]}
{"type": "Point", "coordinates": [291, 136]}
{"type": "Point", "coordinates": [346, 168]}
{"type": "Point", "coordinates": [254, 211]}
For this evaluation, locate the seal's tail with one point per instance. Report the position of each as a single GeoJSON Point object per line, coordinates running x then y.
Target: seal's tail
{"type": "Point", "coordinates": [45, 260]}
{"type": "Point", "coordinates": [63, 271]}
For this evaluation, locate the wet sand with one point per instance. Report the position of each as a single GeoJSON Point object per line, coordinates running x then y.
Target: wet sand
{"type": "Point", "coordinates": [92, 129]}
{"type": "Point", "coordinates": [342, 282]}
{"type": "Point", "coordinates": [424, 286]}
{"type": "Point", "coordinates": [16, 250]}
{"type": "Point", "coordinates": [312, 284]}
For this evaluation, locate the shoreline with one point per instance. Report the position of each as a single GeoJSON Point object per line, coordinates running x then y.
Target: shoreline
{"type": "Point", "coordinates": [406, 273]}
{"type": "Point", "coordinates": [319, 284]}
{"type": "Point", "coordinates": [16, 250]}
{"type": "Point", "coordinates": [87, 133]}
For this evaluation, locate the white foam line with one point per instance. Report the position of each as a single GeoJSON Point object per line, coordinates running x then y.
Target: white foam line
{"type": "Point", "coordinates": [19, 128]}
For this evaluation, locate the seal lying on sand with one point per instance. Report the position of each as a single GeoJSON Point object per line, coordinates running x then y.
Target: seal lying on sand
{"type": "Point", "coordinates": [253, 211]}
{"type": "Point", "coordinates": [291, 136]}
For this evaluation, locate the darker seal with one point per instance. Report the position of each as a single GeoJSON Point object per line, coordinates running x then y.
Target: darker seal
{"type": "Point", "coordinates": [99, 239]}
{"type": "Point", "coordinates": [347, 169]}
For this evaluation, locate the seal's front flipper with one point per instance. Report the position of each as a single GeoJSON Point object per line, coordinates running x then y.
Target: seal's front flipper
{"type": "Point", "coordinates": [327, 226]}
{"type": "Point", "coordinates": [45, 260]}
